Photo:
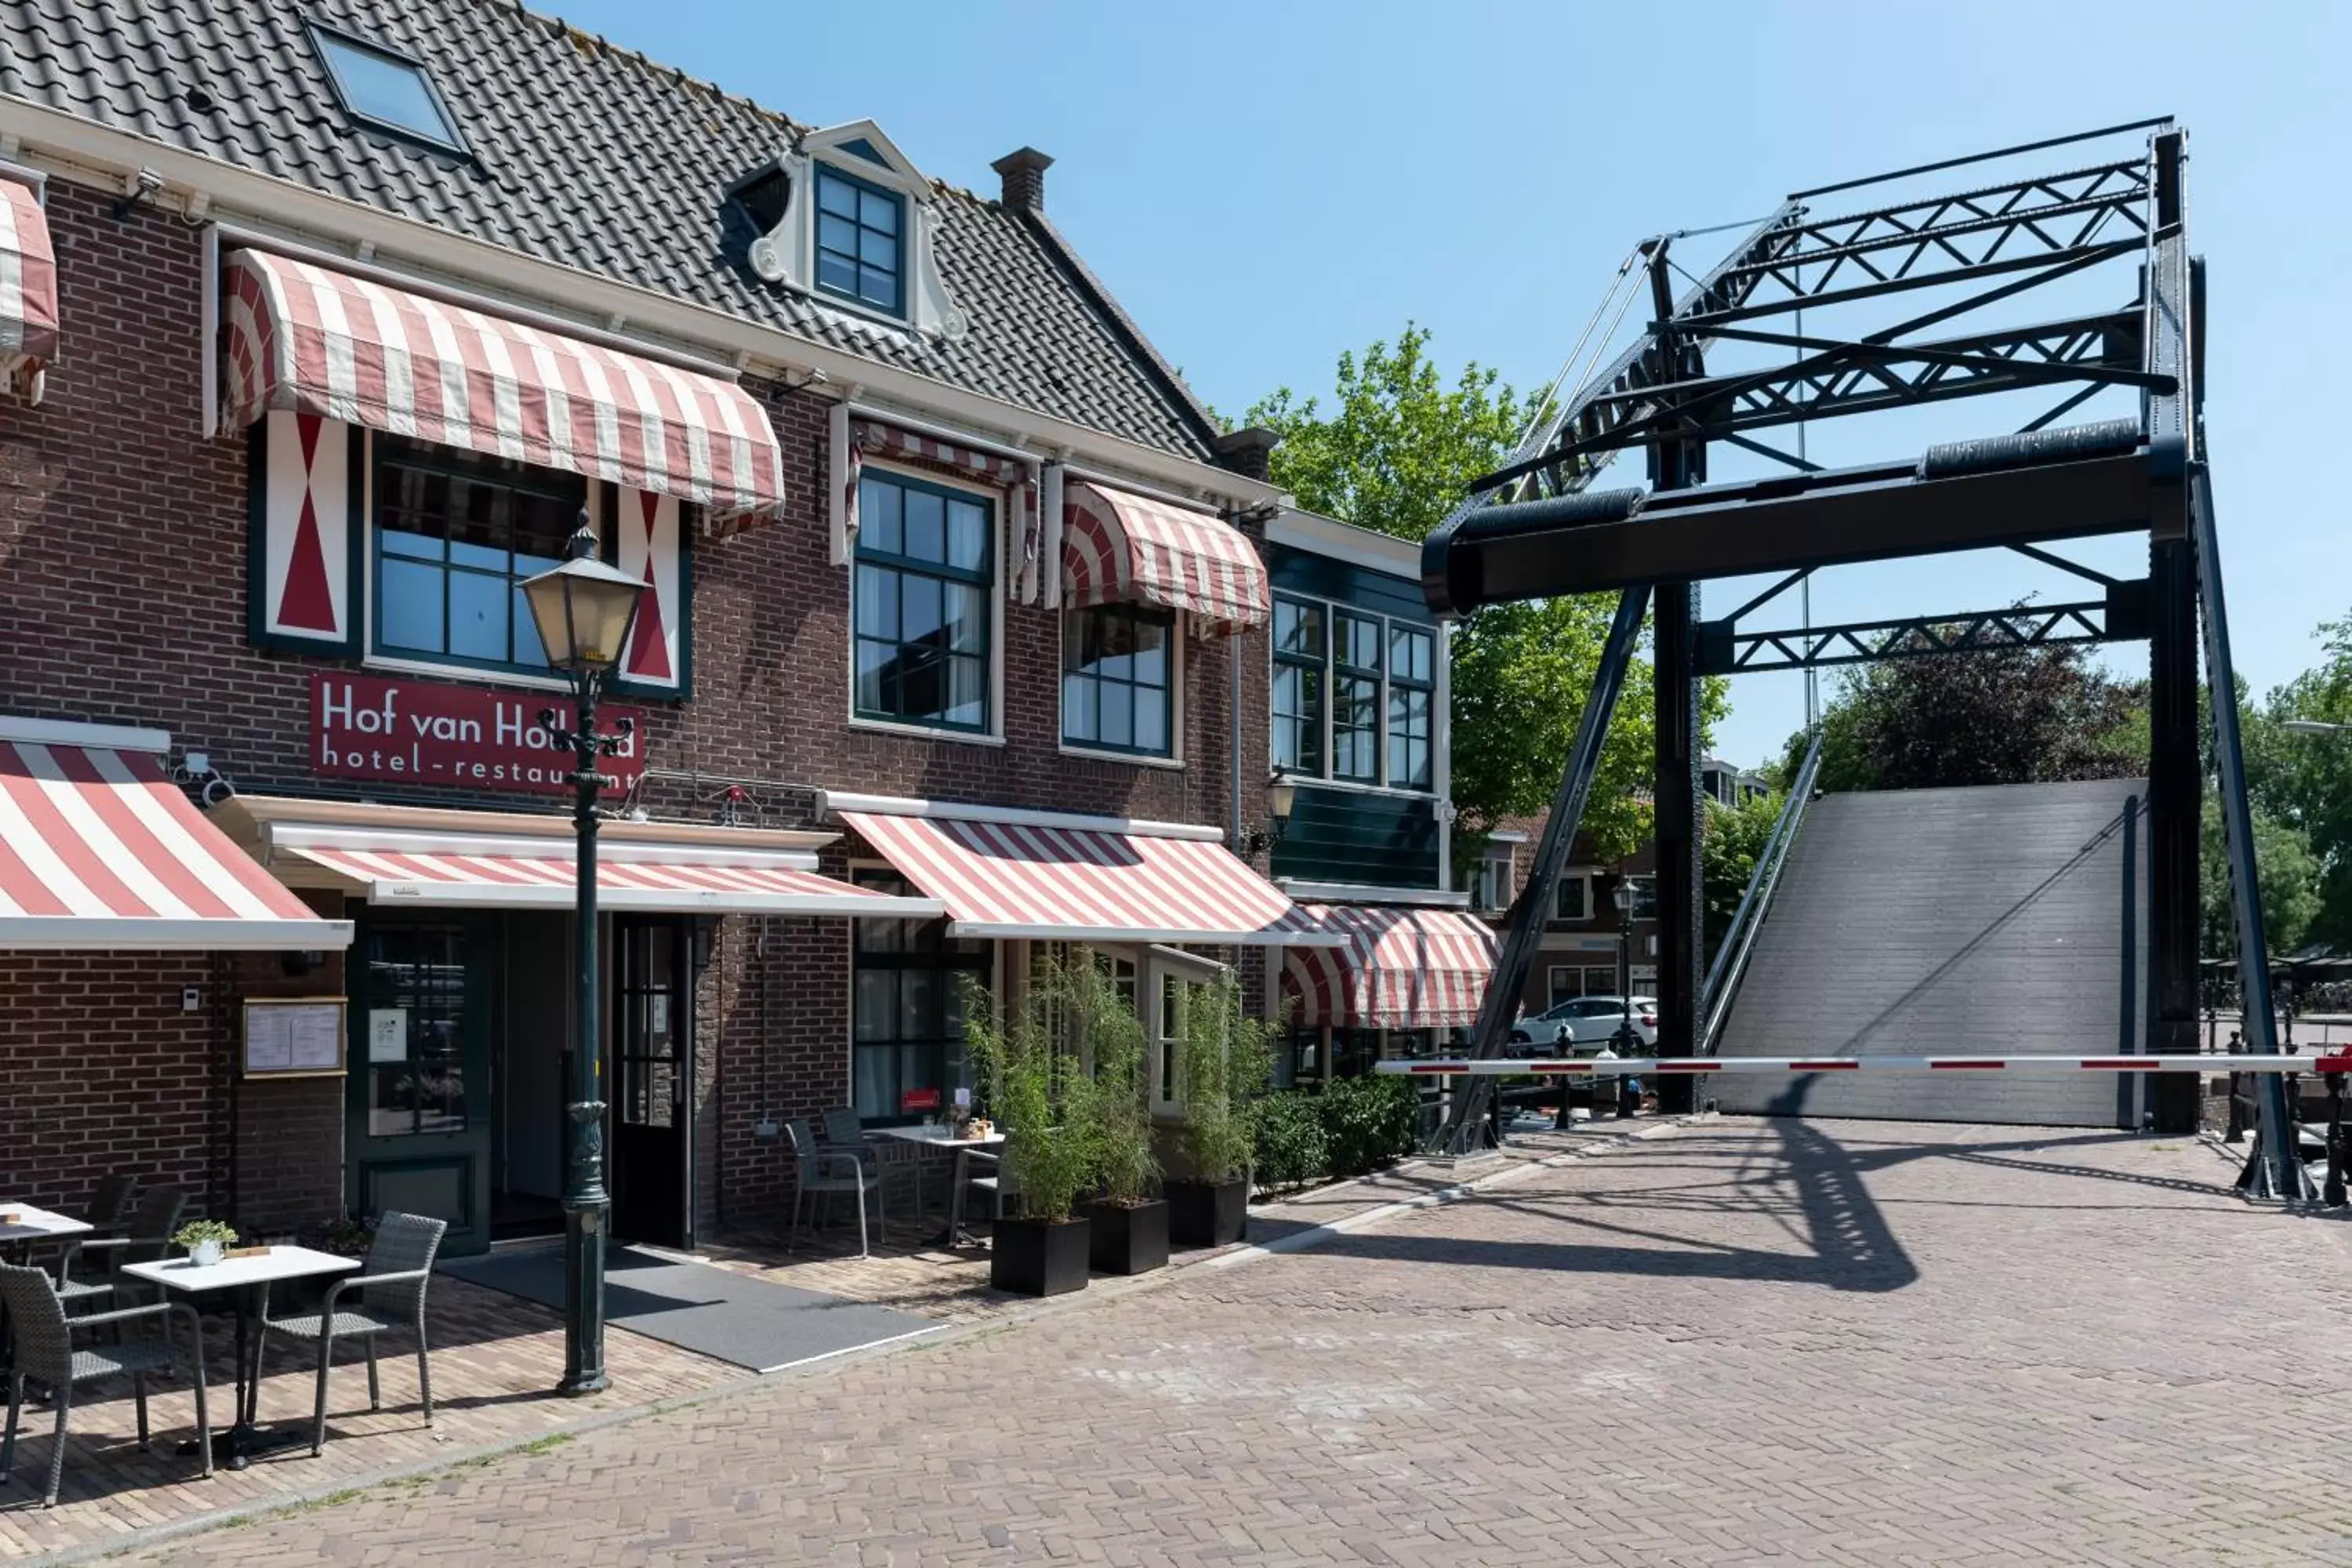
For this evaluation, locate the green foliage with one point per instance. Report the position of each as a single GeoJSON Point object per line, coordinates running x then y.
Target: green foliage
{"type": "Point", "coordinates": [1224, 1061]}
{"type": "Point", "coordinates": [2303, 782]}
{"type": "Point", "coordinates": [2284, 869]}
{"type": "Point", "coordinates": [1049, 1111]}
{"type": "Point", "coordinates": [1731, 840]}
{"type": "Point", "coordinates": [1997, 716]}
{"type": "Point", "coordinates": [1397, 451]}
{"type": "Point", "coordinates": [196, 1232]}
{"type": "Point", "coordinates": [1127, 1162]}
{"type": "Point", "coordinates": [1368, 1121]}
{"type": "Point", "coordinates": [1292, 1148]}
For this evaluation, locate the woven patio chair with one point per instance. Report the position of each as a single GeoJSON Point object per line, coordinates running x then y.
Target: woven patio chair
{"type": "Point", "coordinates": [146, 1238]}
{"type": "Point", "coordinates": [109, 1205]}
{"type": "Point", "coordinates": [42, 1336]}
{"type": "Point", "coordinates": [390, 1299]}
{"type": "Point", "coordinates": [820, 1173]}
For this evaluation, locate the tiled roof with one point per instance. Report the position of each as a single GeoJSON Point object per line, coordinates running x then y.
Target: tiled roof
{"type": "Point", "coordinates": [588, 155]}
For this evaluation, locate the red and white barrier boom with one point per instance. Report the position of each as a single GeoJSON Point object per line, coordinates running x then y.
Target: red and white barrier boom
{"type": "Point", "coordinates": [1548, 1066]}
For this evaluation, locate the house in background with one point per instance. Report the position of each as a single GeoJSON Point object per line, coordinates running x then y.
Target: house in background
{"type": "Point", "coordinates": [1359, 696]}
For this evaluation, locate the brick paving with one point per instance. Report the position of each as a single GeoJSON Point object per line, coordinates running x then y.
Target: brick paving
{"type": "Point", "coordinates": [495, 1360]}
{"type": "Point", "coordinates": [1742, 1344]}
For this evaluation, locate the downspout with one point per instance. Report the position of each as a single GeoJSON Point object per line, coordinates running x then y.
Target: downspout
{"type": "Point", "coordinates": [1233, 747]}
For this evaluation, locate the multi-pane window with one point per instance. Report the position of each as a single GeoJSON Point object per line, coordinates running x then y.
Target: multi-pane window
{"type": "Point", "coordinates": [924, 565]}
{"type": "Point", "coordinates": [858, 247]}
{"type": "Point", "coordinates": [457, 533]}
{"type": "Point", "coordinates": [1645, 896]}
{"type": "Point", "coordinates": [1355, 698]}
{"type": "Point", "coordinates": [1298, 699]}
{"type": "Point", "coordinates": [1573, 901]}
{"type": "Point", "coordinates": [1118, 678]}
{"type": "Point", "coordinates": [907, 1012]}
{"type": "Point", "coordinates": [1413, 687]}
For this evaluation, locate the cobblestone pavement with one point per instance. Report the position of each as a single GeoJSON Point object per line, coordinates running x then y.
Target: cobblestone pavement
{"type": "Point", "coordinates": [1743, 1343]}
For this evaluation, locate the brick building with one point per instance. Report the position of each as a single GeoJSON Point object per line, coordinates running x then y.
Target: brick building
{"type": "Point", "coordinates": [955, 637]}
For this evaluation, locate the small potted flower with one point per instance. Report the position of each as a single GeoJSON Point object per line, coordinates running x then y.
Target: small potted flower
{"type": "Point", "coordinates": [205, 1239]}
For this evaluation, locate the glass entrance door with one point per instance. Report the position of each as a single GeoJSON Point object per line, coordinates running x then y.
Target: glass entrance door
{"type": "Point", "coordinates": [653, 1073]}
{"type": "Point", "coordinates": [425, 998]}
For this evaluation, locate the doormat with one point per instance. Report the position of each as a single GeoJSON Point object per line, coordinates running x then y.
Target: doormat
{"type": "Point", "coordinates": [709, 1310]}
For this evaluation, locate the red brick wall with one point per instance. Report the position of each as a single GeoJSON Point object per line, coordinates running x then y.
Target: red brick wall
{"type": "Point", "coordinates": [122, 583]}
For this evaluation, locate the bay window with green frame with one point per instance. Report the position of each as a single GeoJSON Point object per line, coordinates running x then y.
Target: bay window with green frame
{"type": "Point", "coordinates": [923, 597]}
{"type": "Point", "coordinates": [1297, 695]}
{"type": "Point", "coordinates": [1353, 696]}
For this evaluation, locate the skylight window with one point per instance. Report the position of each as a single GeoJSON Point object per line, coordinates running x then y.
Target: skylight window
{"type": "Point", "coordinates": [387, 91]}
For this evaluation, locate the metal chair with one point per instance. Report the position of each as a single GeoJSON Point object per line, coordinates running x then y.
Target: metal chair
{"type": "Point", "coordinates": [109, 1205]}
{"type": "Point", "coordinates": [819, 1172]}
{"type": "Point", "coordinates": [146, 1237]}
{"type": "Point", "coordinates": [896, 1159]}
{"type": "Point", "coordinates": [391, 1287]}
{"type": "Point", "coordinates": [841, 1133]}
{"type": "Point", "coordinates": [45, 1352]}
{"type": "Point", "coordinates": [1000, 1185]}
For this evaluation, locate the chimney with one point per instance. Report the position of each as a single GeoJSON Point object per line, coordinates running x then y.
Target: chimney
{"type": "Point", "coordinates": [1024, 179]}
{"type": "Point", "coordinates": [1246, 452]}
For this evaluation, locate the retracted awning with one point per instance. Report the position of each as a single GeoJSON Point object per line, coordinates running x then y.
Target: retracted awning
{"type": "Point", "coordinates": [1017, 875]}
{"type": "Point", "coordinates": [1121, 547]}
{"type": "Point", "coordinates": [503, 881]}
{"type": "Point", "coordinates": [28, 280]}
{"type": "Point", "coordinates": [100, 852]}
{"type": "Point", "coordinates": [1399, 969]}
{"type": "Point", "coordinates": [316, 340]}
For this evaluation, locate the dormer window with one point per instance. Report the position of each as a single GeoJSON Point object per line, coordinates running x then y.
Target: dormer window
{"type": "Point", "coordinates": [859, 227]}
{"type": "Point", "coordinates": [386, 90]}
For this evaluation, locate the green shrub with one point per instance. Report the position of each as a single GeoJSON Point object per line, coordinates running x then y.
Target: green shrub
{"type": "Point", "coordinates": [1225, 1063]}
{"type": "Point", "coordinates": [1292, 1148]}
{"type": "Point", "coordinates": [1050, 1112]}
{"type": "Point", "coordinates": [1368, 1121]}
{"type": "Point", "coordinates": [1126, 1161]}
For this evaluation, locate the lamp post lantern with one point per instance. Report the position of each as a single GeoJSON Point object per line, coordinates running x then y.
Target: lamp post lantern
{"type": "Point", "coordinates": [1624, 1041]}
{"type": "Point", "coordinates": [585, 611]}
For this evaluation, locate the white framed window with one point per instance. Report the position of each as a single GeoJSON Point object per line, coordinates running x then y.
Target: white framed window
{"type": "Point", "coordinates": [1175, 984]}
{"type": "Point", "coordinates": [1488, 880]}
{"type": "Point", "coordinates": [1572, 899]}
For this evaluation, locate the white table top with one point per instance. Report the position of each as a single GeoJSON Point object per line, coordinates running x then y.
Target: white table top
{"type": "Point", "coordinates": [33, 1224]}
{"type": "Point", "coordinates": [943, 1136]}
{"type": "Point", "coordinates": [278, 1263]}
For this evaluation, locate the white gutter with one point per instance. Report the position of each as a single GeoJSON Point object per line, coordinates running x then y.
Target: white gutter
{"type": "Point", "coordinates": [835, 801]}
{"type": "Point", "coordinates": [73, 142]}
{"type": "Point", "coordinates": [105, 737]}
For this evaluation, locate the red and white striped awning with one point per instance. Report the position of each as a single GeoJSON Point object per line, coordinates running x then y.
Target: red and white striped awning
{"type": "Point", "coordinates": [1018, 878]}
{"type": "Point", "coordinates": [100, 852]}
{"type": "Point", "coordinates": [28, 279]}
{"type": "Point", "coordinates": [1401, 969]}
{"type": "Point", "coordinates": [316, 340]}
{"type": "Point", "coordinates": [873, 438]}
{"type": "Point", "coordinates": [1120, 547]}
{"type": "Point", "coordinates": [502, 878]}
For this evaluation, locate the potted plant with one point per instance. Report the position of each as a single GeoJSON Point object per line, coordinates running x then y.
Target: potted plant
{"type": "Point", "coordinates": [1045, 1106]}
{"type": "Point", "coordinates": [1129, 1222]}
{"type": "Point", "coordinates": [205, 1239]}
{"type": "Point", "coordinates": [1225, 1064]}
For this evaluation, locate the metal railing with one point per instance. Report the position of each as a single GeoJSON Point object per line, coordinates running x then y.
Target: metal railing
{"type": "Point", "coordinates": [1731, 955]}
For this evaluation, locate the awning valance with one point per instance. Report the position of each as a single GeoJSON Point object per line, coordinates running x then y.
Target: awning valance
{"type": "Point", "coordinates": [1019, 878]}
{"type": "Point", "coordinates": [1121, 547]}
{"type": "Point", "coordinates": [28, 279]}
{"type": "Point", "coordinates": [1399, 969]}
{"type": "Point", "coordinates": [456, 875]}
{"type": "Point", "coordinates": [100, 852]}
{"type": "Point", "coordinates": [310, 339]}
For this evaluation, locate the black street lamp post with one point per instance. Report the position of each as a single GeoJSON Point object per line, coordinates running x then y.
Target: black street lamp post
{"type": "Point", "coordinates": [1625, 1042]}
{"type": "Point", "coordinates": [584, 610]}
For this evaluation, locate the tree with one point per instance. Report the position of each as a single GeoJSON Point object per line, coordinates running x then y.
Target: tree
{"type": "Point", "coordinates": [2033, 715]}
{"type": "Point", "coordinates": [2286, 871]}
{"type": "Point", "coordinates": [1397, 452]}
{"type": "Point", "coordinates": [1731, 840]}
{"type": "Point", "coordinates": [2304, 780]}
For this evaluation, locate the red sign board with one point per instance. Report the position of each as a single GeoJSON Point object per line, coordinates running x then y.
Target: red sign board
{"type": "Point", "coordinates": [422, 732]}
{"type": "Point", "coordinates": [919, 1100]}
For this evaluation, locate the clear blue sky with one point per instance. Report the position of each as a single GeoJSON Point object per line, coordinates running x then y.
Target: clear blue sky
{"type": "Point", "coordinates": [1265, 184]}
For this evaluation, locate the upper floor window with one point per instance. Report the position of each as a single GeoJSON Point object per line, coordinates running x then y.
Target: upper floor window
{"type": "Point", "coordinates": [1572, 901]}
{"type": "Point", "coordinates": [1354, 696]}
{"type": "Point", "coordinates": [923, 640]}
{"type": "Point", "coordinates": [1119, 679]}
{"type": "Point", "coordinates": [858, 230]}
{"type": "Point", "coordinates": [455, 535]}
{"type": "Point", "coordinates": [1488, 878]}
{"type": "Point", "coordinates": [1297, 697]}
{"type": "Point", "coordinates": [385, 89]}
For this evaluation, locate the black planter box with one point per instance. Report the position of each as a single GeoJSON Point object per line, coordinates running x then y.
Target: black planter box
{"type": "Point", "coordinates": [1128, 1240]}
{"type": "Point", "coordinates": [1207, 1214]}
{"type": "Point", "coordinates": [1033, 1257]}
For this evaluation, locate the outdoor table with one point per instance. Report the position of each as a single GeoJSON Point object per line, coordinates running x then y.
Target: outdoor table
{"type": "Point", "coordinates": [31, 1225]}
{"type": "Point", "coordinates": [945, 1138]}
{"type": "Point", "coordinates": [249, 1279]}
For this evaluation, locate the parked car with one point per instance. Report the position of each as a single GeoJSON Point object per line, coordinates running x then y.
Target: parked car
{"type": "Point", "coordinates": [1591, 1022]}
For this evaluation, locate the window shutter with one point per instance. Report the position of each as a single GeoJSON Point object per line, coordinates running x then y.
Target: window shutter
{"type": "Point", "coordinates": [651, 547]}
{"type": "Point", "coordinates": [304, 475]}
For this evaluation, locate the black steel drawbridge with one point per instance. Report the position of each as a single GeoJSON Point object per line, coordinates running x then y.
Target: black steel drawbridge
{"type": "Point", "coordinates": [1889, 308]}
